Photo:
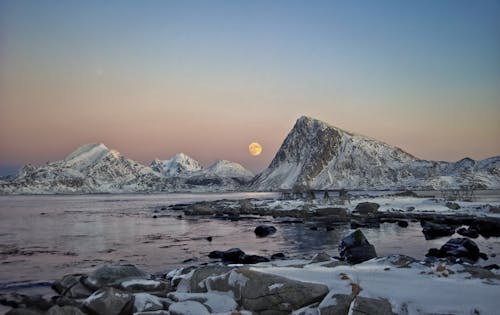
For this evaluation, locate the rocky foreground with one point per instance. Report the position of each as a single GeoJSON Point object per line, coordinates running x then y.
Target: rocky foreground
{"type": "Point", "coordinates": [357, 282]}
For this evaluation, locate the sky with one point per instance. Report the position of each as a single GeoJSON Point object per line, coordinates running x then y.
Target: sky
{"type": "Point", "coordinates": [153, 78]}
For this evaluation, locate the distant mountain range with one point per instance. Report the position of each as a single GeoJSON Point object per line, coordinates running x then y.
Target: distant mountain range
{"type": "Point", "coordinates": [320, 156]}
{"type": "Point", "coordinates": [93, 168]}
{"type": "Point", "coordinates": [314, 155]}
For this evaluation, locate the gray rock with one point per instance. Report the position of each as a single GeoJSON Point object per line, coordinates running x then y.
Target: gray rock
{"type": "Point", "coordinates": [64, 310]}
{"type": "Point", "coordinates": [24, 311]}
{"type": "Point", "coordinates": [321, 257]}
{"type": "Point", "coordinates": [452, 205]}
{"type": "Point", "coordinates": [264, 293]}
{"type": "Point", "coordinates": [214, 302]}
{"type": "Point", "coordinates": [68, 281]}
{"type": "Point", "coordinates": [196, 283]}
{"type": "Point", "coordinates": [355, 248]}
{"type": "Point", "coordinates": [188, 308]}
{"type": "Point", "coordinates": [335, 304]}
{"type": "Point", "coordinates": [109, 301]}
{"type": "Point", "coordinates": [144, 302]}
{"type": "Point", "coordinates": [113, 275]}
{"type": "Point", "coordinates": [367, 207]}
{"type": "Point", "coordinates": [142, 285]}
{"type": "Point", "coordinates": [78, 291]}
{"type": "Point", "coordinates": [363, 306]}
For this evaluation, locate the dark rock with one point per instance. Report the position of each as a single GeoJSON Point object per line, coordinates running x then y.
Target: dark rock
{"type": "Point", "coordinates": [109, 301]}
{"type": "Point", "coordinates": [357, 225]}
{"type": "Point", "coordinates": [406, 193]}
{"type": "Point", "coordinates": [230, 255]}
{"type": "Point", "coordinates": [402, 223]}
{"type": "Point", "coordinates": [452, 205]}
{"type": "Point", "coordinates": [470, 232]}
{"type": "Point", "coordinates": [252, 259]}
{"type": "Point", "coordinates": [335, 304]}
{"type": "Point", "coordinates": [487, 228]}
{"type": "Point", "coordinates": [113, 275]}
{"type": "Point", "coordinates": [209, 238]}
{"type": "Point", "coordinates": [277, 256]}
{"type": "Point", "coordinates": [367, 207]}
{"type": "Point", "coordinates": [164, 208]}
{"type": "Point", "coordinates": [492, 266]}
{"type": "Point", "coordinates": [313, 228]}
{"type": "Point", "coordinates": [434, 230]}
{"type": "Point", "coordinates": [457, 248]}
{"type": "Point", "coordinates": [264, 230]}
{"type": "Point", "coordinates": [64, 310]}
{"type": "Point", "coordinates": [18, 300]}
{"type": "Point", "coordinates": [364, 305]}
{"type": "Point", "coordinates": [355, 248]}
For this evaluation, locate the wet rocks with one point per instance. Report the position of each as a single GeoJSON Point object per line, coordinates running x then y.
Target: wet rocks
{"type": "Point", "coordinates": [469, 232]}
{"type": "Point", "coordinates": [260, 292]}
{"type": "Point", "coordinates": [487, 227]}
{"type": "Point", "coordinates": [367, 207]}
{"type": "Point", "coordinates": [264, 230]}
{"type": "Point", "coordinates": [355, 248]}
{"type": "Point", "coordinates": [434, 230]}
{"type": "Point", "coordinates": [109, 301]}
{"type": "Point", "coordinates": [364, 305]}
{"type": "Point", "coordinates": [463, 248]}
{"type": "Point", "coordinates": [236, 255]}
{"type": "Point", "coordinates": [112, 275]}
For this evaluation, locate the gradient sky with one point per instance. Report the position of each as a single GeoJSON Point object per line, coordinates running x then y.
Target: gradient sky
{"type": "Point", "coordinates": [152, 78]}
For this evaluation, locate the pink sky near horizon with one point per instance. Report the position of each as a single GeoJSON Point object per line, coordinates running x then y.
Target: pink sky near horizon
{"type": "Point", "coordinates": [208, 78]}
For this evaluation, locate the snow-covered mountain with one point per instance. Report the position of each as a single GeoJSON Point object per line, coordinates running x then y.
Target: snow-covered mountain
{"type": "Point", "coordinates": [320, 156]}
{"type": "Point", "coordinates": [93, 168]}
{"type": "Point", "coordinates": [180, 165]}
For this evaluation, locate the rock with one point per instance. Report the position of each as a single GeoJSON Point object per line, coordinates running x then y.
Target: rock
{"type": "Point", "coordinates": [264, 230]}
{"type": "Point", "coordinates": [494, 209]}
{"type": "Point", "coordinates": [188, 308]}
{"type": "Point", "coordinates": [24, 311]}
{"type": "Point", "coordinates": [336, 212]}
{"type": "Point", "coordinates": [470, 232]}
{"type": "Point", "coordinates": [435, 230]}
{"type": "Point", "coordinates": [335, 304]}
{"type": "Point", "coordinates": [64, 310]}
{"type": "Point", "coordinates": [113, 275]}
{"type": "Point", "coordinates": [321, 257]}
{"type": "Point", "coordinates": [452, 205]}
{"type": "Point", "coordinates": [196, 282]}
{"type": "Point", "coordinates": [259, 292]}
{"type": "Point", "coordinates": [402, 223]}
{"type": "Point", "coordinates": [277, 256]}
{"type": "Point", "coordinates": [144, 285]}
{"type": "Point", "coordinates": [406, 193]}
{"type": "Point", "coordinates": [457, 248]}
{"type": "Point", "coordinates": [246, 206]}
{"type": "Point", "coordinates": [18, 300]}
{"type": "Point", "coordinates": [355, 248]}
{"type": "Point", "coordinates": [214, 302]}
{"type": "Point", "coordinates": [367, 207]}
{"type": "Point", "coordinates": [252, 259]}
{"type": "Point", "coordinates": [61, 286]}
{"type": "Point", "coordinates": [144, 302]}
{"type": "Point", "coordinates": [492, 267]}
{"type": "Point", "coordinates": [109, 301]}
{"type": "Point", "coordinates": [230, 255]}
{"type": "Point", "coordinates": [487, 228]}
{"type": "Point", "coordinates": [356, 225]}
{"type": "Point", "coordinates": [400, 261]}
{"type": "Point", "coordinates": [363, 306]}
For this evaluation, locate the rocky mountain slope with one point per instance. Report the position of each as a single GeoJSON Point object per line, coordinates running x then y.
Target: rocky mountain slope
{"type": "Point", "coordinates": [320, 156]}
{"type": "Point", "coordinates": [93, 168]}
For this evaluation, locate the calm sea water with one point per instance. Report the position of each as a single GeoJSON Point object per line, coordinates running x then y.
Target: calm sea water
{"type": "Point", "coordinates": [46, 237]}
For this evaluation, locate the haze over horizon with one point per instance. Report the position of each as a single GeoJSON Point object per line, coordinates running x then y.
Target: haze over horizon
{"type": "Point", "coordinates": [155, 78]}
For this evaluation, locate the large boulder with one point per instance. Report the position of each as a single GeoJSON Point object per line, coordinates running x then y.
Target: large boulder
{"type": "Point", "coordinates": [355, 248]}
{"type": "Point", "coordinates": [196, 283]}
{"type": "Point", "coordinates": [364, 305]}
{"type": "Point", "coordinates": [260, 292]}
{"type": "Point", "coordinates": [188, 308]}
{"type": "Point", "coordinates": [434, 230]}
{"type": "Point", "coordinates": [367, 207]}
{"type": "Point", "coordinates": [109, 301]}
{"type": "Point", "coordinates": [64, 310]}
{"type": "Point", "coordinates": [230, 255]}
{"type": "Point", "coordinates": [264, 230]}
{"type": "Point", "coordinates": [113, 275]}
{"type": "Point", "coordinates": [470, 232]}
{"type": "Point", "coordinates": [488, 228]}
{"type": "Point", "coordinates": [214, 302]}
{"type": "Point", "coordinates": [457, 248]}
{"type": "Point", "coordinates": [335, 304]}
{"type": "Point", "coordinates": [144, 285]}
{"type": "Point", "coordinates": [144, 302]}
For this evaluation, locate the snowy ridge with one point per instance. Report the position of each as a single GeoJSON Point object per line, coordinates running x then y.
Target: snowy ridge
{"type": "Point", "coordinates": [320, 156]}
{"type": "Point", "coordinates": [93, 168]}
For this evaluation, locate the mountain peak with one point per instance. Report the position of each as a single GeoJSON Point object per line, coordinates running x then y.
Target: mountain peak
{"type": "Point", "coordinates": [88, 154]}
{"type": "Point", "coordinates": [180, 164]}
{"type": "Point", "coordinates": [225, 168]}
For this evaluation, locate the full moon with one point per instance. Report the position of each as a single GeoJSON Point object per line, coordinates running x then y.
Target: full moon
{"type": "Point", "coordinates": [254, 148]}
